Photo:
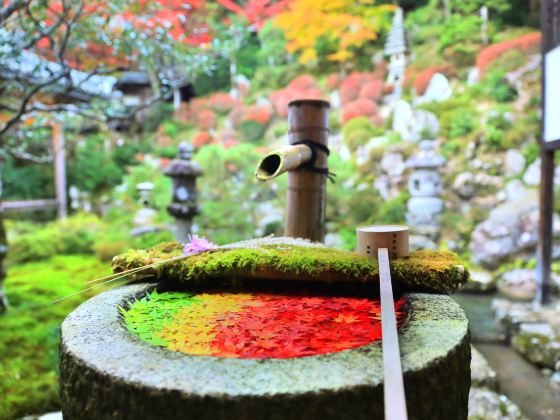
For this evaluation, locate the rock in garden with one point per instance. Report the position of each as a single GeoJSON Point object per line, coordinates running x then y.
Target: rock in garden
{"type": "Point", "coordinates": [514, 162]}
{"type": "Point", "coordinates": [510, 229]}
{"type": "Point", "coordinates": [413, 124]}
{"type": "Point", "coordinates": [393, 164]}
{"type": "Point", "coordinates": [534, 330]}
{"type": "Point", "coordinates": [489, 405]}
{"type": "Point", "coordinates": [521, 283]}
{"type": "Point", "coordinates": [469, 184]}
{"type": "Point", "coordinates": [480, 282]}
{"type": "Point", "coordinates": [438, 89]}
{"type": "Point", "coordinates": [539, 343]}
{"type": "Point", "coordinates": [532, 176]}
{"type": "Point", "coordinates": [482, 374]}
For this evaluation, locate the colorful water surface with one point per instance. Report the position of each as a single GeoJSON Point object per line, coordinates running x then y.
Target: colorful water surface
{"type": "Point", "coordinates": [247, 325]}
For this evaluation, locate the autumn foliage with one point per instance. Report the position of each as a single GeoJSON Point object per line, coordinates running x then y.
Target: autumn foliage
{"type": "Point", "coordinates": [256, 12]}
{"type": "Point", "coordinates": [525, 43]}
{"type": "Point", "coordinates": [360, 107]}
{"type": "Point", "coordinates": [302, 87]}
{"type": "Point", "coordinates": [349, 24]}
{"type": "Point", "coordinates": [422, 79]}
{"type": "Point", "coordinates": [246, 325]}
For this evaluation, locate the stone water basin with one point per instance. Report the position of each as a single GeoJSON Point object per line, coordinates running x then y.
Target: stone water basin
{"type": "Point", "coordinates": [112, 367]}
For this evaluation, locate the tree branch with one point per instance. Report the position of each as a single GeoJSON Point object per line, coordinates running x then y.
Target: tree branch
{"type": "Point", "coordinates": [9, 9]}
{"type": "Point", "coordinates": [22, 109]}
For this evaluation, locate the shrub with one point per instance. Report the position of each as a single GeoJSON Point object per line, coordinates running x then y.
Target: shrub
{"type": "Point", "coordinates": [170, 128]}
{"type": "Point", "coordinates": [75, 235]}
{"type": "Point", "coordinates": [372, 90]}
{"type": "Point", "coordinates": [494, 138]}
{"type": "Point", "coordinates": [258, 113]}
{"type": "Point", "coordinates": [359, 108]}
{"type": "Point", "coordinates": [531, 152]}
{"type": "Point", "coordinates": [526, 43]}
{"type": "Point", "coordinates": [462, 123]}
{"type": "Point", "coordinates": [334, 122]}
{"type": "Point", "coordinates": [358, 132]}
{"type": "Point", "coordinates": [281, 98]}
{"type": "Point", "coordinates": [169, 152]}
{"type": "Point", "coordinates": [333, 81]}
{"type": "Point", "coordinates": [105, 250]}
{"type": "Point", "coordinates": [252, 131]}
{"type": "Point", "coordinates": [460, 30]}
{"type": "Point", "coordinates": [351, 86]}
{"type": "Point", "coordinates": [236, 115]}
{"type": "Point", "coordinates": [201, 138]}
{"type": "Point", "coordinates": [206, 119]}
{"type": "Point", "coordinates": [221, 102]}
{"type": "Point", "coordinates": [497, 87]}
{"type": "Point", "coordinates": [303, 82]}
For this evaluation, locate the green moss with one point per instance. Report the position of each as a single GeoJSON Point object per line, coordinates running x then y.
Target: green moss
{"type": "Point", "coordinates": [434, 271]}
{"type": "Point", "coordinates": [30, 330]}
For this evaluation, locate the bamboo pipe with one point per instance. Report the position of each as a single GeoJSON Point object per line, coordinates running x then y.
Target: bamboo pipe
{"type": "Point", "coordinates": [308, 120]}
{"type": "Point", "coordinates": [282, 160]}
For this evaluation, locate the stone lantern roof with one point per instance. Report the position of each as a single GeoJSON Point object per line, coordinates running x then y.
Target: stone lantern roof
{"type": "Point", "coordinates": [184, 165]}
{"type": "Point", "coordinates": [396, 40]}
{"type": "Point", "coordinates": [426, 158]}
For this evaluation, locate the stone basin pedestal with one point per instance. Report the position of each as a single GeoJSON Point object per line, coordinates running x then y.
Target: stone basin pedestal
{"type": "Point", "coordinates": [107, 373]}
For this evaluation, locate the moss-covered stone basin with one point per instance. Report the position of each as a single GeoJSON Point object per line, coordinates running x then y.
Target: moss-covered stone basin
{"type": "Point", "coordinates": [107, 372]}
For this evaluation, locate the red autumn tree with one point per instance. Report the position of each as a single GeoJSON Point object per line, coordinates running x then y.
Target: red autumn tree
{"type": "Point", "coordinates": [255, 11]}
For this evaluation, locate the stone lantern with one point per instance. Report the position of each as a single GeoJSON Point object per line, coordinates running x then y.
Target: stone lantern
{"type": "Point", "coordinates": [183, 171]}
{"type": "Point", "coordinates": [145, 217]}
{"type": "Point", "coordinates": [425, 186]}
{"type": "Point", "coordinates": [395, 49]}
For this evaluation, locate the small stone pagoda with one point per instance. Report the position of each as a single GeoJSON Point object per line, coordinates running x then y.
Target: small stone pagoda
{"type": "Point", "coordinates": [425, 186]}
{"type": "Point", "coordinates": [395, 49]}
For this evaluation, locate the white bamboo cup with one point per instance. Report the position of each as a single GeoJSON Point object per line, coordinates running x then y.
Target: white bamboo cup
{"type": "Point", "coordinates": [392, 237]}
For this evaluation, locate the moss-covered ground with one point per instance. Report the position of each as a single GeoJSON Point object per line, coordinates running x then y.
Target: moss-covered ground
{"type": "Point", "coordinates": [29, 332]}
{"type": "Point", "coordinates": [432, 271]}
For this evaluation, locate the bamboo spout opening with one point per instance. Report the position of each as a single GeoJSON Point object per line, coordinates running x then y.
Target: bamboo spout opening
{"type": "Point", "coordinates": [279, 161]}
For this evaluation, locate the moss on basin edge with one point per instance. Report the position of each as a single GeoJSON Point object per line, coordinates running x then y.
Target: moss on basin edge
{"type": "Point", "coordinates": [427, 271]}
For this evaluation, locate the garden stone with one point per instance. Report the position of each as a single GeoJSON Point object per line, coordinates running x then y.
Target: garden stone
{"type": "Point", "coordinates": [411, 124]}
{"type": "Point", "coordinates": [489, 405]}
{"type": "Point", "coordinates": [510, 228]}
{"type": "Point", "coordinates": [514, 162]}
{"type": "Point", "coordinates": [512, 191]}
{"type": "Point", "coordinates": [538, 342]}
{"type": "Point", "coordinates": [555, 379]}
{"type": "Point", "coordinates": [509, 315]}
{"type": "Point", "coordinates": [468, 184]}
{"type": "Point", "coordinates": [480, 282]}
{"type": "Point", "coordinates": [532, 176]}
{"type": "Point", "coordinates": [472, 77]}
{"type": "Point", "coordinates": [482, 374]}
{"type": "Point", "coordinates": [438, 89]}
{"type": "Point", "coordinates": [521, 283]}
{"type": "Point", "coordinates": [534, 330]}
{"type": "Point", "coordinates": [417, 242]}
{"type": "Point", "coordinates": [393, 164]}
{"type": "Point", "coordinates": [106, 370]}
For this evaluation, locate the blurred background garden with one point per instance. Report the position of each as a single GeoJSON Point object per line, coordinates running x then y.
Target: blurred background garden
{"type": "Point", "coordinates": [441, 96]}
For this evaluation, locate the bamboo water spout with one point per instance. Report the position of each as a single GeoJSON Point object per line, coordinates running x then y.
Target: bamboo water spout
{"type": "Point", "coordinates": [305, 160]}
{"type": "Point", "coordinates": [282, 160]}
